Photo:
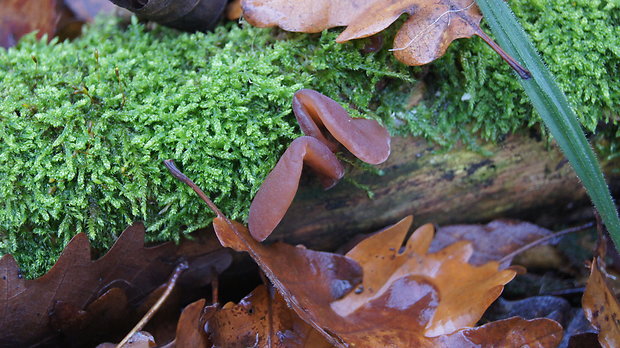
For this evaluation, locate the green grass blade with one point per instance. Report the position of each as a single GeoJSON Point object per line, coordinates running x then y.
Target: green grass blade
{"type": "Point", "coordinates": [552, 105]}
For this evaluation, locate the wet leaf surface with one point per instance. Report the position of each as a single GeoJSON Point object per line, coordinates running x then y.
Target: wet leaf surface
{"type": "Point", "coordinates": [398, 304]}
{"type": "Point", "coordinates": [191, 327]}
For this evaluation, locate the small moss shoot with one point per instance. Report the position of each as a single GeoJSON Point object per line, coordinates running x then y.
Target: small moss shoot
{"type": "Point", "coordinates": [86, 124]}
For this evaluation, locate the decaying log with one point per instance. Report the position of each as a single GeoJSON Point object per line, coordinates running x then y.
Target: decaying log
{"type": "Point", "coordinates": [523, 178]}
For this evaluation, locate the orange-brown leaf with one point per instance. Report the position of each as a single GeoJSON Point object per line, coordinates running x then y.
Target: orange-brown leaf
{"type": "Point", "coordinates": [308, 280]}
{"type": "Point", "coordinates": [406, 297]}
{"type": "Point", "coordinates": [428, 31]}
{"type": "Point", "coordinates": [465, 291]}
{"type": "Point", "coordinates": [601, 306]}
{"type": "Point", "coordinates": [511, 332]}
{"type": "Point", "coordinates": [424, 37]}
{"type": "Point", "coordinates": [262, 319]}
{"type": "Point", "coordinates": [190, 328]}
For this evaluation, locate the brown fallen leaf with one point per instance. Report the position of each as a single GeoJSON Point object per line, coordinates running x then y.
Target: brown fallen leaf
{"type": "Point", "coordinates": [399, 303]}
{"type": "Point", "coordinates": [465, 291]}
{"type": "Point", "coordinates": [424, 37]}
{"type": "Point", "coordinates": [70, 291]}
{"type": "Point", "coordinates": [407, 309]}
{"type": "Point", "coordinates": [326, 124]}
{"type": "Point", "coordinates": [20, 17]}
{"type": "Point", "coordinates": [332, 275]}
{"type": "Point", "coordinates": [261, 319]}
{"type": "Point", "coordinates": [191, 327]}
{"type": "Point", "coordinates": [601, 306]}
{"type": "Point", "coordinates": [491, 242]}
{"type": "Point", "coordinates": [512, 332]}
{"type": "Point", "coordinates": [576, 326]}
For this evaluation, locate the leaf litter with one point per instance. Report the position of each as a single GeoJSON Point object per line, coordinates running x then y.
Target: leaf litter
{"type": "Point", "coordinates": [78, 294]}
{"type": "Point", "coordinates": [424, 37]}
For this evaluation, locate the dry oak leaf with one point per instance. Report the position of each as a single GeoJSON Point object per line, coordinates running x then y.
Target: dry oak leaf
{"type": "Point", "coordinates": [424, 37]}
{"type": "Point", "coordinates": [261, 319]}
{"type": "Point", "coordinates": [308, 280]}
{"type": "Point", "coordinates": [76, 288]}
{"type": "Point", "coordinates": [410, 297]}
{"type": "Point", "coordinates": [601, 306]}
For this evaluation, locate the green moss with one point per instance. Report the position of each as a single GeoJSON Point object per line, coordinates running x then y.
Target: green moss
{"type": "Point", "coordinates": [472, 88]}
{"type": "Point", "coordinates": [81, 147]}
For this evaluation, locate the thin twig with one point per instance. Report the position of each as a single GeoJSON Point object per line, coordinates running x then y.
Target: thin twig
{"type": "Point", "coordinates": [510, 256]}
{"type": "Point", "coordinates": [171, 283]}
{"type": "Point", "coordinates": [183, 178]}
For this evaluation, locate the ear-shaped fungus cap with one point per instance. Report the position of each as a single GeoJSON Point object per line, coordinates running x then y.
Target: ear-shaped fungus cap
{"type": "Point", "coordinates": [278, 190]}
{"type": "Point", "coordinates": [366, 139]}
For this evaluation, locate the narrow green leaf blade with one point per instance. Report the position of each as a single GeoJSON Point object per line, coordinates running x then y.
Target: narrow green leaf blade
{"type": "Point", "coordinates": [553, 106]}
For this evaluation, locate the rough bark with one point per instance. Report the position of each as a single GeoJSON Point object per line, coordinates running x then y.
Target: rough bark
{"type": "Point", "coordinates": [522, 178]}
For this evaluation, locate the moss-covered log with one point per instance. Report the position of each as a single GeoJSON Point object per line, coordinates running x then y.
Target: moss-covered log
{"type": "Point", "coordinates": [521, 177]}
{"type": "Point", "coordinates": [85, 123]}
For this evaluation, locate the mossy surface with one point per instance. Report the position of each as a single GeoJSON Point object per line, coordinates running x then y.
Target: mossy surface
{"type": "Point", "coordinates": [471, 86]}
{"type": "Point", "coordinates": [81, 146]}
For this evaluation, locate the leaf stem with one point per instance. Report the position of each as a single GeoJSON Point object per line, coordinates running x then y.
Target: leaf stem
{"type": "Point", "coordinates": [187, 181]}
{"type": "Point", "coordinates": [518, 68]}
{"type": "Point", "coordinates": [528, 246]}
